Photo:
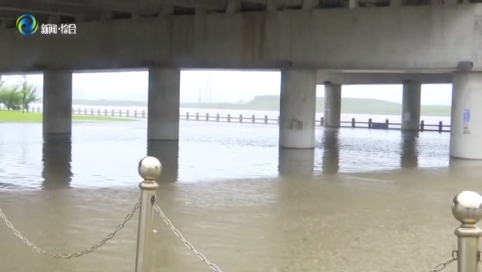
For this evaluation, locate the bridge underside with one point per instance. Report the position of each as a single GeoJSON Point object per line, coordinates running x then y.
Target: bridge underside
{"type": "Point", "coordinates": [68, 11]}
{"type": "Point", "coordinates": [327, 42]}
{"type": "Point", "coordinates": [421, 38]}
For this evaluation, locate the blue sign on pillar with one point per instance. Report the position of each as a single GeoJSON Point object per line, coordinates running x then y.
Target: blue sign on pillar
{"type": "Point", "coordinates": [466, 121]}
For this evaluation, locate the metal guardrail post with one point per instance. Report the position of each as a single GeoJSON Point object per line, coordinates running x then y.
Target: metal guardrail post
{"type": "Point", "coordinates": [467, 209]}
{"type": "Point", "coordinates": [149, 169]}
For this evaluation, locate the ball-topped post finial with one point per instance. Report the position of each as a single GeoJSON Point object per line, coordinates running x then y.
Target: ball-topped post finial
{"type": "Point", "coordinates": [467, 207]}
{"type": "Point", "coordinates": [150, 168]}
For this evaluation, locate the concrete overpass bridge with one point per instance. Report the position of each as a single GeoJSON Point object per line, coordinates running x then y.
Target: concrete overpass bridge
{"type": "Point", "coordinates": [331, 42]}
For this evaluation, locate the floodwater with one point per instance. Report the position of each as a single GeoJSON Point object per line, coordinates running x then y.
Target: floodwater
{"type": "Point", "coordinates": [363, 200]}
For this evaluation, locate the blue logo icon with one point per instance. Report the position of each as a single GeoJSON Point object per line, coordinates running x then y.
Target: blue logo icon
{"type": "Point", "coordinates": [27, 24]}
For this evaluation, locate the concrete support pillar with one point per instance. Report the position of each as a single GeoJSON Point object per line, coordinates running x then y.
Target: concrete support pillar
{"type": "Point", "coordinates": [332, 113]}
{"type": "Point", "coordinates": [168, 153]}
{"type": "Point", "coordinates": [411, 102]}
{"type": "Point", "coordinates": [163, 104]}
{"type": "Point", "coordinates": [57, 102]}
{"type": "Point", "coordinates": [353, 3]}
{"type": "Point", "coordinates": [297, 109]}
{"type": "Point", "coordinates": [466, 117]}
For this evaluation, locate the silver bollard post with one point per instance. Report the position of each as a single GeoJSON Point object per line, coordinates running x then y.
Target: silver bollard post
{"type": "Point", "coordinates": [467, 209]}
{"type": "Point", "coordinates": [149, 169]}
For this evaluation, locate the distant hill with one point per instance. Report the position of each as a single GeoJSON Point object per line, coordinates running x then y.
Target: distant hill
{"type": "Point", "coordinates": [271, 103]}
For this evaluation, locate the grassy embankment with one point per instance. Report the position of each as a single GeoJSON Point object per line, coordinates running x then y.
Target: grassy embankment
{"type": "Point", "coordinates": [271, 103]}
{"type": "Point", "coordinates": [35, 117]}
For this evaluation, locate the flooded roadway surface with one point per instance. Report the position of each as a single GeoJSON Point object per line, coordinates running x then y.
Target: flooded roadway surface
{"type": "Point", "coordinates": [364, 200]}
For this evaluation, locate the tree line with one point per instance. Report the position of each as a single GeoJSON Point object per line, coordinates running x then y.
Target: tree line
{"type": "Point", "coordinates": [18, 96]}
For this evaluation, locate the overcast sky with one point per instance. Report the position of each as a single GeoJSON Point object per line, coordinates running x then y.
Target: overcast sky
{"type": "Point", "coordinates": [232, 86]}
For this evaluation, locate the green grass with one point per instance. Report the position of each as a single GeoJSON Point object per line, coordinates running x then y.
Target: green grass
{"type": "Point", "coordinates": [271, 103]}
{"type": "Point", "coordinates": [35, 117]}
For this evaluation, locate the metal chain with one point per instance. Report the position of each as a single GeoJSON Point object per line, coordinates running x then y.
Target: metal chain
{"type": "Point", "coordinates": [186, 243]}
{"type": "Point", "coordinates": [443, 265]}
{"type": "Point", "coordinates": [70, 255]}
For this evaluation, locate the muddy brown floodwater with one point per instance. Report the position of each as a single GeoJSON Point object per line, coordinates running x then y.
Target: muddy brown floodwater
{"type": "Point", "coordinates": [363, 200]}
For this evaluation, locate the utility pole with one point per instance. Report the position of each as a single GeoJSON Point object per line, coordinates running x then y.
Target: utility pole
{"type": "Point", "coordinates": [208, 88]}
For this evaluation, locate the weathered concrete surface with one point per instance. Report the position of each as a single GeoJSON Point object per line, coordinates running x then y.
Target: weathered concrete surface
{"type": "Point", "coordinates": [163, 104]}
{"type": "Point", "coordinates": [382, 78]}
{"type": "Point", "coordinates": [57, 102]}
{"type": "Point", "coordinates": [403, 38]}
{"type": "Point", "coordinates": [465, 138]}
{"type": "Point", "coordinates": [297, 109]}
{"type": "Point", "coordinates": [411, 105]}
{"type": "Point", "coordinates": [332, 113]}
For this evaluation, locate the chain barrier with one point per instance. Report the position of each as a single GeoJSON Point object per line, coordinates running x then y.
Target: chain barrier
{"type": "Point", "coordinates": [70, 255]}
{"type": "Point", "coordinates": [444, 265]}
{"type": "Point", "coordinates": [186, 243]}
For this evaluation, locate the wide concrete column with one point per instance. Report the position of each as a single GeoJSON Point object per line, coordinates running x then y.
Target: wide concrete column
{"type": "Point", "coordinates": [466, 117]}
{"type": "Point", "coordinates": [163, 104]}
{"type": "Point", "coordinates": [332, 113]}
{"type": "Point", "coordinates": [168, 153]}
{"type": "Point", "coordinates": [411, 101]}
{"type": "Point", "coordinates": [57, 103]}
{"type": "Point", "coordinates": [297, 109]}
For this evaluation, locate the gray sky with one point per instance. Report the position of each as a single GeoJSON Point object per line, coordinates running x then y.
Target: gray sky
{"type": "Point", "coordinates": [231, 86]}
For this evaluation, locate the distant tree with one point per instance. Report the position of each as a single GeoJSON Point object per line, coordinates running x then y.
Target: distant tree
{"type": "Point", "coordinates": [10, 97]}
{"type": "Point", "coordinates": [3, 96]}
{"type": "Point", "coordinates": [27, 93]}
{"type": "Point", "coordinates": [2, 93]}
